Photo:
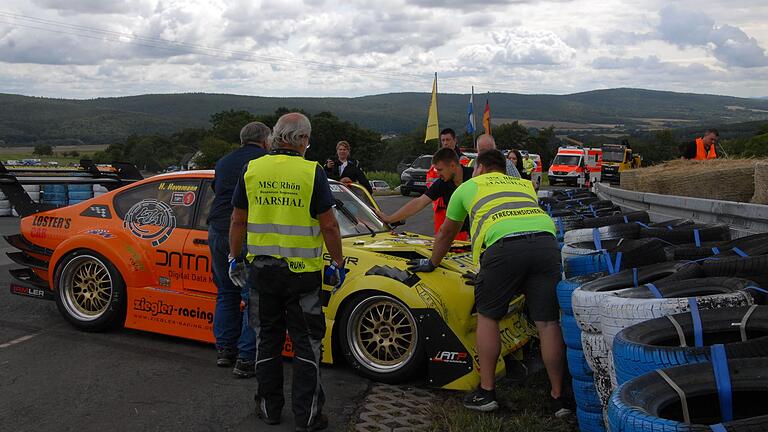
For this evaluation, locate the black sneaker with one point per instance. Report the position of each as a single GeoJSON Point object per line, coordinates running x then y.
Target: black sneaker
{"type": "Point", "coordinates": [481, 400]}
{"type": "Point", "coordinates": [562, 406]}
{"type": "Point", "coordinates": [320, 423]}
{"type": "Point", "coordinates": [225, 357]}
{"type": "Point", "coordinates": [244, 368]}
{"type": "Point", "coordinates": [261, 412]}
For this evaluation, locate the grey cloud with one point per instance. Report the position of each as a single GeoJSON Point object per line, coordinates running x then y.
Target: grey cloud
{"type": "Point", "coordinates": [728, 43]}
{"type": "Point", "coordinates": [579, 38]}
{"type": "Point", "coordinates": [653, 66]}
{"type": "Point", "coordinates": [513, 48]}
{"type": "Point", "coordinates": [88, 6]}
{"type": "Point", "coordinates": [479, 20]}
{"type": "Point", "coordinates": [621, 37]}
{"type": "Point", "coordinates": [472, 4]}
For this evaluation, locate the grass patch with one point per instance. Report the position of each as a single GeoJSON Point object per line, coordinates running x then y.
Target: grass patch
{"type": "Point", "coordinates": [392, 179]}
{"type": "Point", "coordinates": [523, 408]}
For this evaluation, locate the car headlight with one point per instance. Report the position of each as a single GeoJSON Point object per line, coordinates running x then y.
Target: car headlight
{"type": "Point", "coordinates": [550, 172]}
{"type": "Point", "coordinates": [405, 176]}
{"type": "Point", "coordinates": [573, 173]}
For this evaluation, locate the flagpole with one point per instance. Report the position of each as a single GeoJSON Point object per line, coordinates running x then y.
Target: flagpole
{"type": "Point", "coordinates": [437, 111]}
{"type": "Point", "coordinates": [474, 119]}
{"type": "Point", "coordinates": [487, 98]}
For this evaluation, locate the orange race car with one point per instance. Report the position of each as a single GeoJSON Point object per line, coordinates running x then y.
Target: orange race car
{"type": "Point", "coordinates": [137, 256]}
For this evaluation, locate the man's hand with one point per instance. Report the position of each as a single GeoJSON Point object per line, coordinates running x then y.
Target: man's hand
{"type": "Point", "coordinates": [238, 272]}
{"type": "Point", "coordinates": [346, 180]}
{"type": "Point", "coordinates": [335, 275]}
{"type": "Point", "coordinates": [423, 265]}
{"type": "Point", "coordinates": [470, 278]}
{"type": "Point", "coordinates": [383, 216]}
{"type": "Point", "coordinates": [329, 163]}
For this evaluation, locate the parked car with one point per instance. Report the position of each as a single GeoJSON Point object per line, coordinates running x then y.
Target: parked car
{"type": "Point", "coordinates": [380, 186]}
{"type": "Point", "coordinates": [414, 178]}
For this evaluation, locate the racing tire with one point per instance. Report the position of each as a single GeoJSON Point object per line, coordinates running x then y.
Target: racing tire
{"type": "Point", "coordinates": [590, 421]}
{"type": "Point", "coordinates": [54, 197]}
{"type": "Point", "coordinates": [5, 205]}
{"type": "Point", "coordinates": [586, 396]}
{"type": "Point", "coordinates": [672, 223]}
{"type": "Point", "coordinates": [571, 331]}
{"type": "Point", "coordinates": [566, 287]}
{"type": "Point", "coordinates": [598, 357]}
{"type": "Point", "coordinates": [756, 244]}
{"type": "Point", "coordinates": [612, 232]}
{"type": "Point", "coordinates": [635, 305]}
{"type": "Point", "coordinates": [31, 188]}
{"type": "Point", "coordinates": [656, 344]}
{"type": "Point", "coordinates": [6, 212]}
{"type": "Point", "coordinates": [649, 404]}
{"type": "Point", "coordinates": [634, 253]}
{"type": "Point", "coordinates": [586, 299]}
{"type": "Point", "coordinates": [364, 355]}
{"type": "Point", "coordinates": [99, 189]}
{"type": "Point", "coordinates": [577, 365]}
{"type": "Point", "coordinates": [55, 189]}
{"type": "Point", "coordinates": [78, 195]}
{"type": "Point", "coordinates": [687, 234]}
{"type": "Point", "coordinates": [90, 292]}
{"type": "Point", "coordinates": [640, 216]}
{"type": "Point", "coordinates": [80, 188]}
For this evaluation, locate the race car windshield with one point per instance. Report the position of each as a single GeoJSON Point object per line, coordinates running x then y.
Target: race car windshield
{"type": "Point", "coordinates": [570, 160]}
{"type": "Point", "coordinates": [366, 219]}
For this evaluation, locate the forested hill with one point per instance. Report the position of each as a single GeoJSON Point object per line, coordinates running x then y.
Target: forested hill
{"type": "Point", "coordinates": [106, 120]}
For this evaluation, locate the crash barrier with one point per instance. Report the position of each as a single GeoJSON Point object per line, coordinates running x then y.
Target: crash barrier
{"type": "Point", "coordinates": [722, 395]}
{"type": "Point", "coordinates": [726, 274]}
{"type": "Point", "coordinates": [741, 217]}
{"type": "Point", "coordinates": [58, 195]}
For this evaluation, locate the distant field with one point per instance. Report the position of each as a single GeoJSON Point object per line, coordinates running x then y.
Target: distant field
{"type": "Point", "coordinates": [541, 124]}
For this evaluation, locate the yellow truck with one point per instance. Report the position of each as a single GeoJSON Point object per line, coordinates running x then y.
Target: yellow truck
{"type": "Point", "coordinates": [618, 158]}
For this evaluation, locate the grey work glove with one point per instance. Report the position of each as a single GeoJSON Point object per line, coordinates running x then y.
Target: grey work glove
{"type": "Point", "coordinates": [238, 271]}
{"type": "Point", "coordinates": [423, 265]}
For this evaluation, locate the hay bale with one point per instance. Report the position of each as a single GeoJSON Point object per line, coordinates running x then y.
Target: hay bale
{"type": "Point", "coordinates": [761, 183]}
{"type": "Point", "coordinates": [720, 179]}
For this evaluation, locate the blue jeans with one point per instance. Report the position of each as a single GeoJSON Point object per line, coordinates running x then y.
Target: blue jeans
{"type": "Point", "coordinates": [230, 325]}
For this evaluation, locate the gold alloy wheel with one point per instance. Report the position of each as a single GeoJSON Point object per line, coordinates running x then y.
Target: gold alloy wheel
{"type": "Point", "coordinates": [382, 334]}
{"type": "Point", "coordinates": [86, 287]}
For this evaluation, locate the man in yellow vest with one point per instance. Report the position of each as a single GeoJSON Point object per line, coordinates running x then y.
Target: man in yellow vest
{"type": "Point", "coordinates": [283, 208]}
{"type": "Point", "coordinates": [513, 241]}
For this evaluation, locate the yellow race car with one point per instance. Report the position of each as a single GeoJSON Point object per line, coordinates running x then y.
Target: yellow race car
{"type": "Point", "coordinates": [137, 257]}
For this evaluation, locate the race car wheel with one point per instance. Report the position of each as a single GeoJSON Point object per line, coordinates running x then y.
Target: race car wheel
{"type": "Point", "coordinates": [90, 291]}
{"type": "Point", "coordinates": [380, 338]}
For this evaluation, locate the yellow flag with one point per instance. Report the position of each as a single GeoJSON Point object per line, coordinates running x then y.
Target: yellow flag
{"type": "Point", "coordinates": [433, 130]}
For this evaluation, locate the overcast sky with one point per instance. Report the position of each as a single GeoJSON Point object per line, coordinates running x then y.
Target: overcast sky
{"type": "Point", "coordinates": [92, 48]}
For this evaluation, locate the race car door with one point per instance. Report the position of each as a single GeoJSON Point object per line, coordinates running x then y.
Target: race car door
{"type": "Point", "coordinates": [199, 276]}
{"type": "Point", "coordinates": [157, 217]}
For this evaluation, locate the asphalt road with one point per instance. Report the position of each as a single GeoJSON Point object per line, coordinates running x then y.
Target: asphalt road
{"type": "Point", "coordinates": [56, 378]}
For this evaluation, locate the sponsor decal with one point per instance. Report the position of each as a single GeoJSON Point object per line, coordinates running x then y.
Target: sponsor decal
{"type": "Point", "coordinates": [101, 233]}
{"type": "Point", "coordinates": [151, 219]}
{"type": "Point", "coordinates": [30, 292]}
{"type": "Point", "coordinates": [164, 281]}
{"type": "Point", "coordinates": [455, 357]}
{"type": "Point", "coordinates": [52, 222]}
{"type": "Point", "coordinates": [97, 211]}
{"type": "Point", "coordinates": [431, 299]}
{"type": "Point", "coordinates": [348, 260]}
{"type": "Point", "coordinates": [161, 308]}
{"type": "Point", "coordinates": [184, 261]}
{"type": "Point", "coordinates": [40, 233]}
{"type": "Point", "coordinates": [135, 259]}
{"type": "Point", "coordinates": [335, 188]}
{"type": "Point", "coordinates": [183, 198]}
{"type": "Point", "coordinates": [177, 187]}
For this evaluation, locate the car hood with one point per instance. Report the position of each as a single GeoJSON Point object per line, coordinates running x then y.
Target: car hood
{"type": "Point", "coordinates": [401, 247]}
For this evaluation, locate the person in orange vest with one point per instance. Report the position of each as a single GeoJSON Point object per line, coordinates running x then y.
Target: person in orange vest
{"type": "Point", "coordinates": [452, 175]}
{"type": "Point", "coordinates": [704, 148]}
{"type": "Point", "coordinates": [439, 206]}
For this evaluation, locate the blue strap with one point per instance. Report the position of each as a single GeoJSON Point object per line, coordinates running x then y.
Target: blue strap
{"type": "Point", "coordinates": [723, 380]}
{"type": "Point", "coordinates": [715, 251]}
{"type": "Point", "coordinates": [698, 333]}
{"type": "Point", "coordinates": [592, 209]}
{"type": "Point", "coordinates": [634, 276]}
{"type": "Point", "coordinates": [669, 227]}
{"type": "Point", "coordinates": [617, 264]}
{"type": "Point", "coordinates": [549, 209]}
{"type": "Point", "coordinates": [758, 289]}
{"type": "Point", "coordinates": [626, 220]}
{"type": "Point", "coordinates": [560, 226]}
{"type": "Point", "coordinates": [655, 291]}
{"type": "Point", "coordinates": [740, 252]}
{"type": "Point", "coordinates": [696, 238]}
{"type": "Point", "coordinates": [642, 225]}
{"type": "Point", "coordinates": [613, 266]}
{"type": "Point", "coordinates": [596, 238]}
{"type": "Point", "coordinates": [718, 428]}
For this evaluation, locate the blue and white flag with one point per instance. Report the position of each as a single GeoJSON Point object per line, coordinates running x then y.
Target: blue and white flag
{"type": "Point", "coordinates": [470, 117]}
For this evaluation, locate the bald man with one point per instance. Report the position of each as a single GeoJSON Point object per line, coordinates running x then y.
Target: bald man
{"type": "Point", "coordinates": [486, 142]}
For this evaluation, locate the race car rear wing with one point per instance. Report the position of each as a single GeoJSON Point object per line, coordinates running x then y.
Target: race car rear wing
{"type": "Point", "coordinates": [13, 179]}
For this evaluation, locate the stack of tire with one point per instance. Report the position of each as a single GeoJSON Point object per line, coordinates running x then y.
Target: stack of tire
{"type": "Point", "coordinates": [569, 208]}
{"type": "Point", "coordinates": [55, 194]}
{"type": "Point", "coordinates": [5, 205]}
{"type": "Point", "coordinates": [78, 193]}
{"type": "Point", "coordinates": [99, 190]}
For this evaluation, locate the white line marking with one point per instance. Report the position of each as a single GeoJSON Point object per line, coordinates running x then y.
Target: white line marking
{"type": "Point", "coordinates": [19, 340]}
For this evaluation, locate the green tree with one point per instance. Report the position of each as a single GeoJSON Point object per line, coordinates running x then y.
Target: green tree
{"type": "Point", "coordinates": [43, 150]}
{"type": "Point", "coordinates": [212, 150]}
{"type": "Point", "coordinates": [226, 125]}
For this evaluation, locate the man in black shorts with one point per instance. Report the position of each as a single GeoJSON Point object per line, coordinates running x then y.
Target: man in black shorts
{"type": "Point", "coordinates": [452, 174]}
{"type": "Point", "coordinates": [513, 241]}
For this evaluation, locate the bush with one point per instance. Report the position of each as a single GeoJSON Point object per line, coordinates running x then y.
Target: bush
{"type": "Point", "coordinates": [390, 177]}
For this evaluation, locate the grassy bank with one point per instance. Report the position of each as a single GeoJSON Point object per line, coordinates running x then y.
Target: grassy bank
{"type": "Point", "coordinates": [392, 179]}
{"type": "Point", "coordinates": [523, 408]}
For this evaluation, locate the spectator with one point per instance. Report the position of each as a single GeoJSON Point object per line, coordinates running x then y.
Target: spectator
{"type": "Point", "coordinates": [345, 169]}
{"type": "Point", "coordinates": [516, 159]}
